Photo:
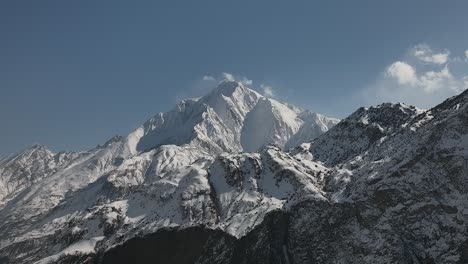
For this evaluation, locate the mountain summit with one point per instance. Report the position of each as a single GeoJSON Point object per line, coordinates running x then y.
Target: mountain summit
{"type": "Point", "coordinates": [230, 118]}
{"type": "Point", "coordinates": [174, 170]}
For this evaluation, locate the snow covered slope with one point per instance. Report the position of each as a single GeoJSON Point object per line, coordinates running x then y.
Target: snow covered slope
{"type": "Point", "coordinates": [180, 168]}
{"type": "Point", "coordinates": [20, 171]}
{"type": "Point", "coordinates": [255, 181]}
{"type": "Point", "coordinates": [231, 118]}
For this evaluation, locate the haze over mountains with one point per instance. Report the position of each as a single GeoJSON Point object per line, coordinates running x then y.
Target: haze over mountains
{"type": "Point", "coordinates": [240, 178]}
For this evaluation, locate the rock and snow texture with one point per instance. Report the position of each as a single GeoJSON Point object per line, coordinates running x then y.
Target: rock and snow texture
{"type": "Point", "coordinates": [20, 171]}
{"type": "Point", "coordinates": [402, 200]}
{"type": "Point", "coordinates": [388, 184]}
{"type": "Point", "coordinates": [185, 167]}
{"type": "Point", "coordinates": [356, 133]}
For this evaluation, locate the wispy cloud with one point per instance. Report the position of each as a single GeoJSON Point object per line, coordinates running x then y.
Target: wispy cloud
{"type": "Point", "coordinates": [267, 90]}
{"type": "Point", "coordinates": [208, 78]}
{"type": "Point", "coordinates": [242, 79]}
{"type": "Point", "coordinates": [424, 53]}
{"type": "Point", "coordinates": [422, 77]}
{"type": "Point", "coordinates": [225, 76]}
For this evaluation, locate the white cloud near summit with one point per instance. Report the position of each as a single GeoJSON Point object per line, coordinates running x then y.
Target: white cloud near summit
{"type": "Point", "coordinates": [241, 79]}
{"type": "Point", "coordinates": [422, 77]}
{"type": "Point", "coordinates": [225, 76]}
{"type": "Point", "coordinates": [267, 90]}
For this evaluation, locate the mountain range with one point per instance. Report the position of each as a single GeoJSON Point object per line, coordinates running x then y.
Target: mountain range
{"type": "Point", "coordinates": [236, 177]}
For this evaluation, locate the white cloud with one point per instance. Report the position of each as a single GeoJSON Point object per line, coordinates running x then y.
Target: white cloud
{"type": "Point", "coordinates": [246, 81]}
{"type": "Point", "coordinates": [466, 54]}
{"type": "Point", "coordinates": [422, 84]}
{"type": "Point", "coordinates": [208, 78]}
{"type": "Point", "coordinates": [230, 77]}
{"type": "Point", "coordinates": [424, 53]}
{"type": "Point", "coordinates": [435, 80]}
{"type": "Point", "coordinates": [403, 72]}
{"type": "Point", "coordinates": [267, 90]}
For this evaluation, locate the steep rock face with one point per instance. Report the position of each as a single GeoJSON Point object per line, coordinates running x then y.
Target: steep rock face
{"type": "Point", "coordinates": [247, 186]}
{"type": "Point", "coordinates": [356, 133]}
{"type": "Point", "coordinates": [402, 201]}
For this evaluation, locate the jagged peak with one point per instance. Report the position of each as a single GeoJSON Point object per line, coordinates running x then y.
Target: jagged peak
{"type": "Point", "coordinates": [385, 114]}
{"type": "Point", "coordinates": [400, 106]}
{"type": "Point", "coordinates": [35, 151]}
{"type": "Point", "coordinates": [230, 89]}
{"type": "Point", "coordinates": [112, 140]}
{"type": "Point", "coordinates": [36, 148]}
{"type": "Point", "coordinates": [227, 88]}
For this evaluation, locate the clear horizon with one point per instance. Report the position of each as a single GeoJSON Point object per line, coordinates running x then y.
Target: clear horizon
{"type": "Point", "coordinates": [75, 74]}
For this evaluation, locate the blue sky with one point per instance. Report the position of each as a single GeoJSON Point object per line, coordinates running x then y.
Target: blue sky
{"type": "Point", "coordinates": [74, 73]}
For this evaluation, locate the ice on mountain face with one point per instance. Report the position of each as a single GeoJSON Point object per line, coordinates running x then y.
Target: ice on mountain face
{"type": "Point", "coordinates": [232, 102]}
{"type": "Point", "coordinates": [269, 123]}
{"type": "Point", "coordinates": [314, 125]}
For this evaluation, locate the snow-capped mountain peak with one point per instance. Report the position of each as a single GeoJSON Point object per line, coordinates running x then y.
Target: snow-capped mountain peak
{"type": "Point", "coordinates": [225, 120]}
{"type": "Point", "coordinates": [179, 168]}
